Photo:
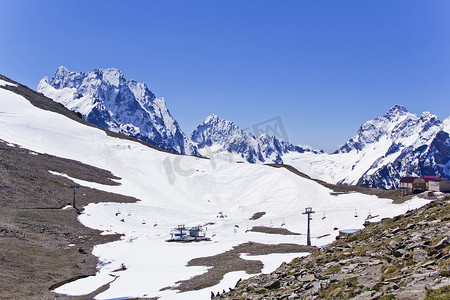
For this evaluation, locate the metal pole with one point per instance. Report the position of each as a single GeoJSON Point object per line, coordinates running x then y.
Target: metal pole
{"type": "Point", "coordinates": [74, 186]}
{"type": "Point", "coordinates": [308, 211]}
{"type": "Point", "coordinates": [308, 241]}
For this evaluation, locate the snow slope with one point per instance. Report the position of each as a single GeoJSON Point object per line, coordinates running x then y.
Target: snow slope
{"type": "Point", "coordinates": [175, 189]}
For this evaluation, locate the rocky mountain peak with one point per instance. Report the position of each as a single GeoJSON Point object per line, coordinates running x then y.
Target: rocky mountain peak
{"type": "Point", "coordinates": [214, 121]}
{"type": "Point", "coordinates": [231, 138]}
{"type": "Point", "coordinates": [64, 78]}
{"type": "Point", "coordinates": [62, 71]}
{"type": "Point", "coordinates": [213, 118]}
{"type": "Point", "coordinates": [107, 99]}
{"type": "Point", "coordinates": [215, 130]}
{"type": "Point", "coordinates": [446, 125]}
{"type": "Point", "coordinates": [429, 117]}
{"type": "Point", "coordinates": [110, 76]}
{"type": "Point", "coordinates": [395, 113]}
{"type": "Point", "coordinates": [396, 110]}
{"type": "Point", "coordinates": [395, 124]}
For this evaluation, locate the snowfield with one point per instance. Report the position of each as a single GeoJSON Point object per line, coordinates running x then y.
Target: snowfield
{"type": "Point", "coordinates": [175, 189]}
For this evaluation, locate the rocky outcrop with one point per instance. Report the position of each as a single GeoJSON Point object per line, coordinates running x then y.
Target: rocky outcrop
{"type": "Point", "coordinates": [405, 257]}
{"type": "Point", "coordinates": [105, 98]}
{"type": "Point", "coordinates": [225, 136]}
{"type": "Point", "coordinates": [412, 146]}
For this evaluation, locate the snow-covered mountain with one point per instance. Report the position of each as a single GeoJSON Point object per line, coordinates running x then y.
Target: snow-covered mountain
{"type": "Point", "coordinates": [383, 150]}
{"type": "Point", "coordinates": [430, 155]}
{"type": "Point", "coordinates": [396, 144]}
{"type": "Point", "coordinates": [219, 137]}
{"type": "Point", "coordinates": [106, 99]}
{"type": "Point", "coordinates": [175, 189]}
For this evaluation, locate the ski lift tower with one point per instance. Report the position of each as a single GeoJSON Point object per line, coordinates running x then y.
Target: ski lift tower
{"type": "Point", "coordinates": [74, 186]}
{"type": "Point", "coordinates": [308, 211]}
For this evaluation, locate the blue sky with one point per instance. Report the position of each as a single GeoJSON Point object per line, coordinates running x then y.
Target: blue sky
{"type": "Point", "coordinates": [324, 67]}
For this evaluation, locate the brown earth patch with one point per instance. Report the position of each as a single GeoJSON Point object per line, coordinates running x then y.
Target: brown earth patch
{"type": "Point", "coordinates": [231, 261]}
{"type": "Point", "coordinates": [395, 195]}
{"type": "Point", "coordinates": [257, 215]}
{"type": "Point", "coordinates": [273, 230]}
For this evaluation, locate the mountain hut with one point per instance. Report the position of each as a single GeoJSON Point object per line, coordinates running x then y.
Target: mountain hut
{"type": "Point", "coordinates": [439, 186]}
{"type": "Point", "coordinates": [429, 179]}
{"type": "Point", "coordinates": [411, 185]}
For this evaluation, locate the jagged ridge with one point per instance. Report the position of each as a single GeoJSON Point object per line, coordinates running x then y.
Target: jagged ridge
{"type": "Point", "coordinates": [417, 146]}
{"type": "Point", "coordinates": [383, 150]}
{"type": "Point", "coordinates": [105, 98]}
{"type": "Point", "coordinates": [221, 134]}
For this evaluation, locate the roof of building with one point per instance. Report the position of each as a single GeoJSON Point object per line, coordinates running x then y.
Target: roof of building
{"type": "Point", "coordinates": [432, 178]}
{"type": "Point", "coordinates": [408, 179]}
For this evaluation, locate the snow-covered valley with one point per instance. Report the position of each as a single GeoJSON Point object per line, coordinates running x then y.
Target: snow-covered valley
{"type": "Point", "coordinates": [175, 189]}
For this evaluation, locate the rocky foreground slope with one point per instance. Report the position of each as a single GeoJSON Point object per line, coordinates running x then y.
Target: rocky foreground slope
{"type": "Point", "coordinates": [406, 257]}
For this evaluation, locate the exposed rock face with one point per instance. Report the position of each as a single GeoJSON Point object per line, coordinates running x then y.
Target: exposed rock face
{"type": "Point", "coordinates": [225, 136]}
{"type": "Point", "coordinates": [416, 146]}
{"type": "Point", "coordinates": [425, 160]}
{"type": "Point", "coordinates": [401, 258]}
{"type": "Point", "coordinates": [106, 99]}
{"type": "Point", "coordinates": [384, 149]}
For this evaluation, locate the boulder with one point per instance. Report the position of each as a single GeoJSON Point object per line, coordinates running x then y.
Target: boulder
{"type": "Point", "coordinates": [419, 255]}
{"type": "Point", "coordinates": [307, 278]}
{"type": "Point", "coordinates": [442, 243]}
{"type": "Point", "coordinates": [294, 296]}
{"type": "Point", "coordinates": [273, 285]}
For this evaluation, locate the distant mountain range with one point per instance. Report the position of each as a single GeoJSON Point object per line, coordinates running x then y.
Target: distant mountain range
{"type": "Point", "coordinates": [224, 136]}
{"type": "Point", "coordinates": [383, 150]}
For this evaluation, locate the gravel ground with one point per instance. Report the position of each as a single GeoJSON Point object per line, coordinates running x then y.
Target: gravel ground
{"type": "Point", "coordinates": [41, 244]}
